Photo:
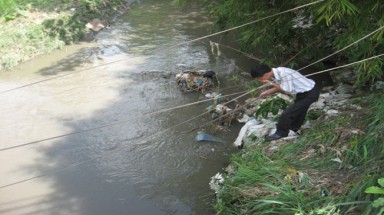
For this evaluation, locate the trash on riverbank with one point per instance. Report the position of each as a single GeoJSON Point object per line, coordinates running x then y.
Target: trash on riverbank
{"type": "Point", "coordinates": [254, 129]}
{"type": "Point", "coordinates": [216, 182]}
{"type": "Point", "coordinates": [97, 24]}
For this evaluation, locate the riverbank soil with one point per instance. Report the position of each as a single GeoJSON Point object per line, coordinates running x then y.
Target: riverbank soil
{"type": "Point", "coordinates": [35, 28]}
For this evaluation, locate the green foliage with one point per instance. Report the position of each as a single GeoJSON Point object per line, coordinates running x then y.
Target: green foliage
{"type": "Point", "coordinates": [326, 210]}
{"type": "Point", "coordinates": [367, 149]}
{"type": "Point", "coordinates": [66, 28]}
{"type": "Point", "coordinates": [335, 10]}
{"type": "Point", "coordinates": [260, 185]}
{"type": "Point", "coordinates": [379, 202]}
{"type": "Point", "coordinates": [264, 186]}
{"type": "Point", "coordinates": [370, 70]}
{"type": "Point", "coordinates": [273, 106]}
{"type": "Point", "coordinates": [179, 2]}
{"type": "Point", "coordinates": [376, 190]}
{"type": "Point", "coordinates": [332, 25]}
{"type": "Point", "coordinates": [235, 78]}
{"type": "Point", "coordinates": [31, 40]}
{"type": "Point", "coordinates": [314, 114]}
{"type": "Point", "coordinates": [9, 10]}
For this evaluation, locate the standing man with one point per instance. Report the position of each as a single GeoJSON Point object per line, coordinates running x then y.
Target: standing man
{"type": "Point", "coordinates": [288, 81]}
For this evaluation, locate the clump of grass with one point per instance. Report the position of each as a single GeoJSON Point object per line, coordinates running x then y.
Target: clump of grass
{"type": "Point", "coordinates": [29, 41]}
{"type": "Point", "coordinates": [324, 172]}
{"type": "Point", "coordinates": [265, 186]}
{"type": "Point", "coordinates": [9, 10]}
{"type": "Point", "coordinates": [22, 39]}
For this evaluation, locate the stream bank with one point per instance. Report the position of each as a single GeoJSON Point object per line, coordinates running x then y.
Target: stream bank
{"type": "Point", "coordinates": [146, 164]}
{"type": "Point", "coordinates": [325, 169]}
{"type": "Point", "coordinates": [35, 28]}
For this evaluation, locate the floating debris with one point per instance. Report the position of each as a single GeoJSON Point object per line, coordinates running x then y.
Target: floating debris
{"type": "Point", "coordinates": [196, 81]}
{"type": "Point", "coordinates": [202, 136]}
{"type": "Point", "coordinates": [96, 25]}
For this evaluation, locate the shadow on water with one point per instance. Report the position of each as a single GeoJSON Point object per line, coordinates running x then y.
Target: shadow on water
{"type": "Point", "coordinates": [69, 64]}
{"type": "Point", "coordinates": [150, 164]}
{"type": "Point", "coordinates": [128, 170]}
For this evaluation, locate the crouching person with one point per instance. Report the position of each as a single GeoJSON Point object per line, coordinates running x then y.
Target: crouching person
{"type": "Point", "coordinates": [288, 81]}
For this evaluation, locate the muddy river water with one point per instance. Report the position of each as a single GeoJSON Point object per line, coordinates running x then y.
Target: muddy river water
{"type": "Point", "coordinates": [126, 161]}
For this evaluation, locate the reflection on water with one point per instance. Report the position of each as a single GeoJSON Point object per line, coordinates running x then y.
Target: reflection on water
{"type": "Point", "coordinates": [150, 164]}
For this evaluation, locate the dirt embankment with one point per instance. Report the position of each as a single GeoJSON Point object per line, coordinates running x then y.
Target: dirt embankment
{"type": "Point", "coordinates": [41, 30]}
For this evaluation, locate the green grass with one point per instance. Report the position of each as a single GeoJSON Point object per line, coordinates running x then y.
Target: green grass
{"type": "Point", "coordinates": [30, 40]}
{"type": "Point", "coordinates": [288, 182]}
{"type": "Point", "coordinates": [22, 39]}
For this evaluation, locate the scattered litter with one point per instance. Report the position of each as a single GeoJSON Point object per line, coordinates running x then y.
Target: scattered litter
{"type": "Point", "coordinates": [213, 46]}
{"type": "Point", "coordinates": [324, 193]}
{"type": "Point", "coordinates": [96, 25]}
{"type": "Point", "coordinates": [230, 169]}
{"type": "Point", "coordinates": [244, 118]}
{"type": "Point", "coordinates": [222, 112]}
{"type": "Point", "coordinates": [338, 160]}
{"type": "Point", "coordinates": [210, 95]}
{"type": "Point", "coordinates": [309, 153]}
{"type": "Point", "coordinates": [202, 136]}
{"type": "Point", "coordinates": [332, 112]}
{"type": "Point", "coordinates": [239, 140]}
{"type": "Point", "coordinates": [196, 81]}
{"type": "Point", "coordinates": [294, 176]}
{"type": "Point", "coordinates": [216, 181]}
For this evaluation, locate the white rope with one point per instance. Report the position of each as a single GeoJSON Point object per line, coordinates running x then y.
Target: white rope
{"type": "Point", "coordinates": [357, 41]}
{"type": "Point", "coordinates": [346, 65]}
{"type": "Point", "coordinates": [190, 41]}
{"type": "Point", "coordinates": [174, 108]}
{"type": "Point", "coordinates": [186, 105]}
{"type": "Point", "coordinates": [165, 110]}
{"type": "Point", "coordinates": [111, 124]}
{"type": "Point", "coordinates": [338, 51]}
{"type": "Point", "coordinates": [253, 22]}
{"type": "Point", "coordinates": [86, 161]}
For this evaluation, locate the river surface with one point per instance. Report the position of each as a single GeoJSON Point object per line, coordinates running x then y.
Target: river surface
{"type": "Point", "coordinates": [126, 161]}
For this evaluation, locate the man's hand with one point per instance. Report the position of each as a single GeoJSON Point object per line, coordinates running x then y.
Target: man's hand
{"type": "Point", "coordinates": [269, 92]}
{"type": "Point", "coordinates": [264, 94]}
{"type": "Point", "coordinates": [266, 81]}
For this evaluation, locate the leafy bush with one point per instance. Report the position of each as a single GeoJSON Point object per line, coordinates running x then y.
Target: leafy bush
{"type": "Point", "coordinates": [310, 33]}
{"type": "Point", "coordinates": [66, 28]}
{"type": "Point", "coordinates": [9, 10]}
{"type": "Point", "coordinates": [273, 106]}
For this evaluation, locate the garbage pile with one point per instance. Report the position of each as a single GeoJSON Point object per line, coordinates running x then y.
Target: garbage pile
{"type": "Point", "coordinates": [206, 83]}
{"type": "Point", "coordinates": [196, 81]}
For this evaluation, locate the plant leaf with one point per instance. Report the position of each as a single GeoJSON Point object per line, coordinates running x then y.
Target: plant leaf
{"type": "Point", "coordinates": [381, 182]}
{"type": "Point", "coordinates": [374, 190]}
{"type": "Point", "coordinates": [378, 203]}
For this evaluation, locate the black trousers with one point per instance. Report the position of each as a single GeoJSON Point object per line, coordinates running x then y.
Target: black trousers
{"type": "Point", "coordinates": [293, 117]}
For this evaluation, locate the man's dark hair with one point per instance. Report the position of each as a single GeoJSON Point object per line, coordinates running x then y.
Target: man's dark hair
{"type": "Point", "coordinates": [259, 70]}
